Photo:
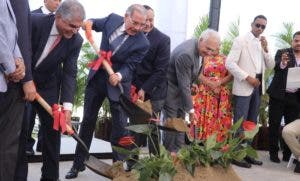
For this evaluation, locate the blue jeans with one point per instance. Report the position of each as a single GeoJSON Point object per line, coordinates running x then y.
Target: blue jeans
{"type": "Point", "coordinates": [247, 107]}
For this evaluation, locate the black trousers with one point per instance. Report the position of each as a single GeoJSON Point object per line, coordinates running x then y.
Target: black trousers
{"type": "Point", "coordinates": [95, 93]}
{"type": "Point", "coordinates": [11, 114]}
{"type": "Point", "coordinates": [289, 109]}
{"type": "Point", "coordinates": [50, 145]}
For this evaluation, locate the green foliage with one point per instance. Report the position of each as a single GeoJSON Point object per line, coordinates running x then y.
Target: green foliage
{"type": "Point", "coordinates": [202, 26]}
{"type": "Point", "coordinates": [158, 167]}
{"type": "Point", "coordinates": [211, 152]}
{"type": "Point", "coordinates": [87, 54]}
{"type": "Point", "coordinates": [285, 37]}
{"type": "Point", "coordinates": [232, 33]}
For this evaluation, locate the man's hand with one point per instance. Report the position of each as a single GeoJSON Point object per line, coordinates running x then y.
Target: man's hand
{"type": "Point", "coordinates": [87, 24]}
{"type": "Point", "coordinates": [114, 79]}
{"type": "Point", "coordinates": [194, 89]}
{"type": "Point", "coordinates": [191, 117]}
{"type": "Point", "coordinates": [19, 72]}
{"type": "Point", "coordinates": [264, 43]}
{"type": "Point", "coordinates": [29, 91]}
{"type": "Point", "coordinates": [141, 95]}
{"type": "Point", "coordinates": [68, 117]}
{"type": "Point", "coordinates": [285, 58]}
{"type": "Point", "coordinates": [253, 81]}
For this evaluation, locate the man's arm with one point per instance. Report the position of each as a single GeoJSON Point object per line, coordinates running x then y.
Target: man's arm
{"type": "Point", "coordinates": [232, 61]}
{"type": "Point", "coordinates": [183, 66]}
{"type": "Point", "coordinates": [160, 64]}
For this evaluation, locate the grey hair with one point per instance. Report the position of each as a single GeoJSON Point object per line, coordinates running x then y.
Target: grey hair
{"type": "Point", "coordinates": [69, 9]}
{"type": "Point", "coordinates": [210, 33]}
{"type": "Point", "coordinates": [136, 7]}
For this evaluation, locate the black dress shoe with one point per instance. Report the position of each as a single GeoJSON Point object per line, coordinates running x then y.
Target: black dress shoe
{"type": "Point", "coordinates": [29, 152]}
{"type": "Point", "coordinates": [274, 158]}
{"type": "Point", "coordinates": [253, 161]}
{"type": "Point", "coordinates": [241, 163]}
{"type": "Point", "coordinates": [73, 173]}
{"type": "Point", "coordinates": [297, 168]}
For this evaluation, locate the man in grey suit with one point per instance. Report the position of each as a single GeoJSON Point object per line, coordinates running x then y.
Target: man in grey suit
{"type": "Point", "coordinates": [12, 71]}
{"type": "Point", "coordinates": [184, 68]}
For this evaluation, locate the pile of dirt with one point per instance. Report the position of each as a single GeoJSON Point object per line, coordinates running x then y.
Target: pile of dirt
{"type": "Point", "coordinates": [215, 173]}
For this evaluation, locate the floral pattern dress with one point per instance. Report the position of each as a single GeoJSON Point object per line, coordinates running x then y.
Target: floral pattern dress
{"type": "Point", "coordinates": [212, 112]}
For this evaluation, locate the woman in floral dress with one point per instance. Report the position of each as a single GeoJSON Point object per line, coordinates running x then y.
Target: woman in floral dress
{"type": "Point", "coordinates": [212, 101]}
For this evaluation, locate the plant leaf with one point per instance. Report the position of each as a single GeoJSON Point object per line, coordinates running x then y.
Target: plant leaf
{"type": "Point", "coordinates": [252, 133]}
{"type": "Point", "coordinates": [140, 128]}
{"type": "Point", "coordinates": [165, 177]}
{"type": "Point", "coordinates": [210, 142]}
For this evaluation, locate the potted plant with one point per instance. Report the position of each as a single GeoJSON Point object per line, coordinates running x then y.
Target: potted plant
{"type": "Point", "coordinates": [207, 159]}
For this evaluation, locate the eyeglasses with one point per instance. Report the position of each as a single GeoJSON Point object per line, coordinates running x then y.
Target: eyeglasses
{"type": "Point", "coordinates": [260, 26]}
{"type": "Point", "coordinates": [136, 24]}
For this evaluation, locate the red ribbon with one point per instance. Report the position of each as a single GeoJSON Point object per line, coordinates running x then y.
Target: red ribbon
{"type": "Point", "coordinates": [133, 95]}
{"type": "Point", "coordinates": [59, 118]}
{"type": "Point", "coordinates": [103, 56]}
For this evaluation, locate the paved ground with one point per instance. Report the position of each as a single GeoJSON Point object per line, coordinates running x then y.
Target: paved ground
{"type": "Point", "coordinates": [268, 172]}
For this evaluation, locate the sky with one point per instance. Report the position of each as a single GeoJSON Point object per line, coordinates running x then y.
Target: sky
{"type": "Point", "coordinates": [178, 23]}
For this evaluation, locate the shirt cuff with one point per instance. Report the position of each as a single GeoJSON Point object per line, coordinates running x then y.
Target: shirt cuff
{"type": "Point", "coordinates": [119, 74]}
{"type": "Point", "coordinates": [68, 106]}
{"type": "Point", "coordinates": [192, 111]}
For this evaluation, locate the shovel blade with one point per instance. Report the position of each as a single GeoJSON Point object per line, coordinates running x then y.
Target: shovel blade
{"type": "Point", "coordinates": [99, 167]}
{"type": "Point", "coordinates": [136, 114]}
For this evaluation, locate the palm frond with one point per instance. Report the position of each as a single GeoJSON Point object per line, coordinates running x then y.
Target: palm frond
{"type": "Point", "coordinates": [285, 37]}
{"type": "Point", "coordinates": [202, 26]}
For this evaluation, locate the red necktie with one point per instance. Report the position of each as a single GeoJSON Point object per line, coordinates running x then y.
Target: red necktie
{"type": "Point", "coordinates": [56, 41]}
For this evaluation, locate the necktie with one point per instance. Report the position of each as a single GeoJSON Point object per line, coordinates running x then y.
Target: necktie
{"type": "Point", "coordinates": [116, 43]}
{"type": "Point", "coordinates": [56, 41]}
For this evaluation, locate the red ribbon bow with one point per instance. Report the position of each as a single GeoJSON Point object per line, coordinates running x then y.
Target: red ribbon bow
{"type": "Point", "coordinates": [59, 118]}
{"type": "Point", "coordinates": [103, 56]}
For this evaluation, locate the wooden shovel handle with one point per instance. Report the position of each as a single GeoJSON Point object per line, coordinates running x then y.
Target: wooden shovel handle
{"type": "Point", "coordinates": [48, 108]}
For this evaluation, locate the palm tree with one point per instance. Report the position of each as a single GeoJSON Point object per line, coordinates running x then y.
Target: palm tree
{"type": "Point", "coordinates": [203, 25]}
{"type": "Point", "coordinates": [232, 33]}
{"type": "Point", "coordinates": [285, 37]}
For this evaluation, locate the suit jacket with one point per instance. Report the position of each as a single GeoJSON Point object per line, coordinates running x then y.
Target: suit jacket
{"type": "Point", "coordinates": [241, 63]}
{"type": "Point", "coordinates": [125, 59]}
{"type": "Point", "coordinates": [22, 13]}
{"type": "Point", "coordinates": [184, 68]}
{"type": "Point", "coordinates": [9, 50]}
{"type": "Point", "coordinates": [39, 10]}
{"type": "Point", "coordinates": [66, 52]}
{"type": "Point", "coordinates": [277, 87]}
{"type": "Point", "coordinates": [151, 73]}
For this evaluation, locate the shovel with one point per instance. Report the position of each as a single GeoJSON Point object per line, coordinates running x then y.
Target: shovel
{"type": "Point", "coordinates": [91, 162]}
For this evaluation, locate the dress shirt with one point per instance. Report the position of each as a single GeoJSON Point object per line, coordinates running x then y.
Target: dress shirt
{"type": "Point", "coordinates": [114, 35]}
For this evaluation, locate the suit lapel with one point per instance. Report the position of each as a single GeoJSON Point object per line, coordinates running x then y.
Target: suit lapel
{"type": "Point", "coordinates": [44, 37]}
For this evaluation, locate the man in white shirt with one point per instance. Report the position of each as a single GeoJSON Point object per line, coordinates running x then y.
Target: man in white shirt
{"type": "Point", "coordinates": [247, 61]}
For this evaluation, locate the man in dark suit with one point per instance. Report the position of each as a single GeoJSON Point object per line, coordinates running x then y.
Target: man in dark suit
{"type": "Point", "coordinates": [150, 76]}
{"type": "Point", "coordinates": [131, 47]}
{"type": "Point", "coordinates": [55, 43]}
{"type": "Point", "coordinates": [283, 100]}
{"type": "Point", "coordinates": [12, 70]}
{"type": "Point", "coordinates": [50, 6]}
{"type": "Point", "coordinates": [183, 70]}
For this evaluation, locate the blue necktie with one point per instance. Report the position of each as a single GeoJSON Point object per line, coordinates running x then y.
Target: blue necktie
{"type": "Point", "coordinates": [117, 42]}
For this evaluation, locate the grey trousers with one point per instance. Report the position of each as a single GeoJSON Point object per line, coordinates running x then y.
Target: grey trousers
{"type": "Point", "coordinates": [11, 114]}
